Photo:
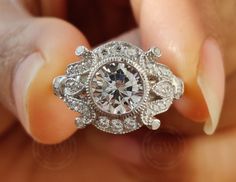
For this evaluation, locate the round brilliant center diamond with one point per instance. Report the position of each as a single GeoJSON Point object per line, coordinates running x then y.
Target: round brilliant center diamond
{"type": "Point", "coordinates": [117, 88]}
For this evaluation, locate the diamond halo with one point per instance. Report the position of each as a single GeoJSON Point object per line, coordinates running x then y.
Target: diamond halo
{"type": "Point", "coordinates": [118, 87]}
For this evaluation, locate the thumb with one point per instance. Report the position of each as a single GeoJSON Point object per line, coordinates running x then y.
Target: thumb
{"type": "Point", "coordinates": [175, 27]}
{"type": "Point", "coordinates": [41, 51]}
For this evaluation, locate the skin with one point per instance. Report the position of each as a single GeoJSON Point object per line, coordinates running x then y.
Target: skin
{"type": "Point", "coordinates": [180, 151]}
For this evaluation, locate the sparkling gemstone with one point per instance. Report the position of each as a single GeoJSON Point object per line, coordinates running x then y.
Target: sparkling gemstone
{"type": "Point", "coordinates": [103, 122]}
{"type": "Point", "coordinates": [116, 126]}
{"type": "Point", "coordinates": [84, 119]}
{"type": "Point", "coordinates": [72, 86]}
{"type": "Point", "coordinates": [164, 89]}
{"type": "Point", "coordinates": [156, 52]}
{"type": "Point", "coordinates": [161, 105]}
{"type": "Point", "coordinates": [132, 52]}
{"type": "Point", "coordinates": [163, 71]}
{"type": "Point", "coordinates": [76, 104]}
{"type": "Point", "coordinates": [116, 49]}
{"type": "Point", "coordinates": [104, 52]}
{"type": "Point", "coordinates": [156, 124]}
{"type": "Point", "coordinates": [130, 123]}
{"type": "Point", "coordinates": [117, 88]}
{"type": "Point", "coordinates": [159, 70]}
{"type": "Point", "coordinates": [80, 50]}
{"type": "Point", "coordinates": [80, 122]}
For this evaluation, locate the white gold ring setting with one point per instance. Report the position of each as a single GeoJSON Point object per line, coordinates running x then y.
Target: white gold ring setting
{"type": "Point", "coordinates": [118, 87]}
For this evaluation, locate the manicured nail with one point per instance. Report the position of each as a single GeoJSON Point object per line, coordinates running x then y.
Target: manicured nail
{"type": "Point", "coordinates": [211, 80]}
{"type": "Point", "coordinates": [25, 72]}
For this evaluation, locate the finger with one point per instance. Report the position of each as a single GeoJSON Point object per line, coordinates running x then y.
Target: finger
{"type": "Point", "coordinates": [131, 36]}
{"type": "Point", "coordinates": [33, 53]}
{"type": "Point", "coordinates": [176, 28]}
{"type": "Point", "coordinates": [7, 120]}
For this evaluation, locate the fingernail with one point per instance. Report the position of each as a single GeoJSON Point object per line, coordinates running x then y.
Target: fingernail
{"type": "Point", "coordinates": [24, 73]}
{"type": "Point", "coordinates": [211, 80]}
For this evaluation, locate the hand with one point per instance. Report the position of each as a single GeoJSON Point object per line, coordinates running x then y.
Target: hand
{"type": "Point", "coordinates": [193, 36]}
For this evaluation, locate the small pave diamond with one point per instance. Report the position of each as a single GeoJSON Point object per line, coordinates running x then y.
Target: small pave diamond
{"type": "Point", "coordinates": [104, 52]}
{"type": "Point", "coordinates": [132, 52]}
{"type": "Point", "coordinates": [130, 123]}
{"type": "Point", "coordinates": [116, 126]}
{"type": "Point", "coordinates": [76, 104]}
{"type": "Point", "coordinates": [80, 122]}
{"type": "Point", "coordinates": [72, 86]}
{"type": "Point", "coordinates": [159, 70]}
{"type": "Point", "coordinates": [155, 124]}
{"type": "Point", "coordinates": [103, 122]}
{"type": "Point", "coordinates": [116, 49]}
{"type": "Point", "coordinates": [160, 105]}
{"type": "Point", "coordinates": [117, 88]}
{"type": "Point", "coordinates": [79, 68]}
{"type": "Point", "coordinates": [84, 119]}
{"type": "Point", "coordinates": [164, 89]}
{"type": "Point", "coordinates": [80, 50]}
{"type": "Point", "coordinates": [156, 52]}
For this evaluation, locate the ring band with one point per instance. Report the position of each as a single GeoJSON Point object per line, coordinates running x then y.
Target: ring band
{"type": "Point", "coordinates": [118, 87]}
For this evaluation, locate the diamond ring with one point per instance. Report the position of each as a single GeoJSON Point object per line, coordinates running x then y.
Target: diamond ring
{"type": "Point", "coordinates": [118, 87]}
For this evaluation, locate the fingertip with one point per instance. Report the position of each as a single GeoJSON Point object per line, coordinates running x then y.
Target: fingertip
{"type": "Point", "coordinates": [136, 7]}
{"type": "Point", "coordinates": [204, 103]}
{"type": "Point", "coordinates": [192, 104]}
{"type": "Point", "coordinates": [50, 121]}
{"type": "Point", "coordinates": [180, 39]}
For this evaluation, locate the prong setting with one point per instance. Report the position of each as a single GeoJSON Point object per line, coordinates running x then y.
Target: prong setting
{"type": "Point", "coordinates": [81, 50]}
{"type": "Point", "coordinates": [153, 53]}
